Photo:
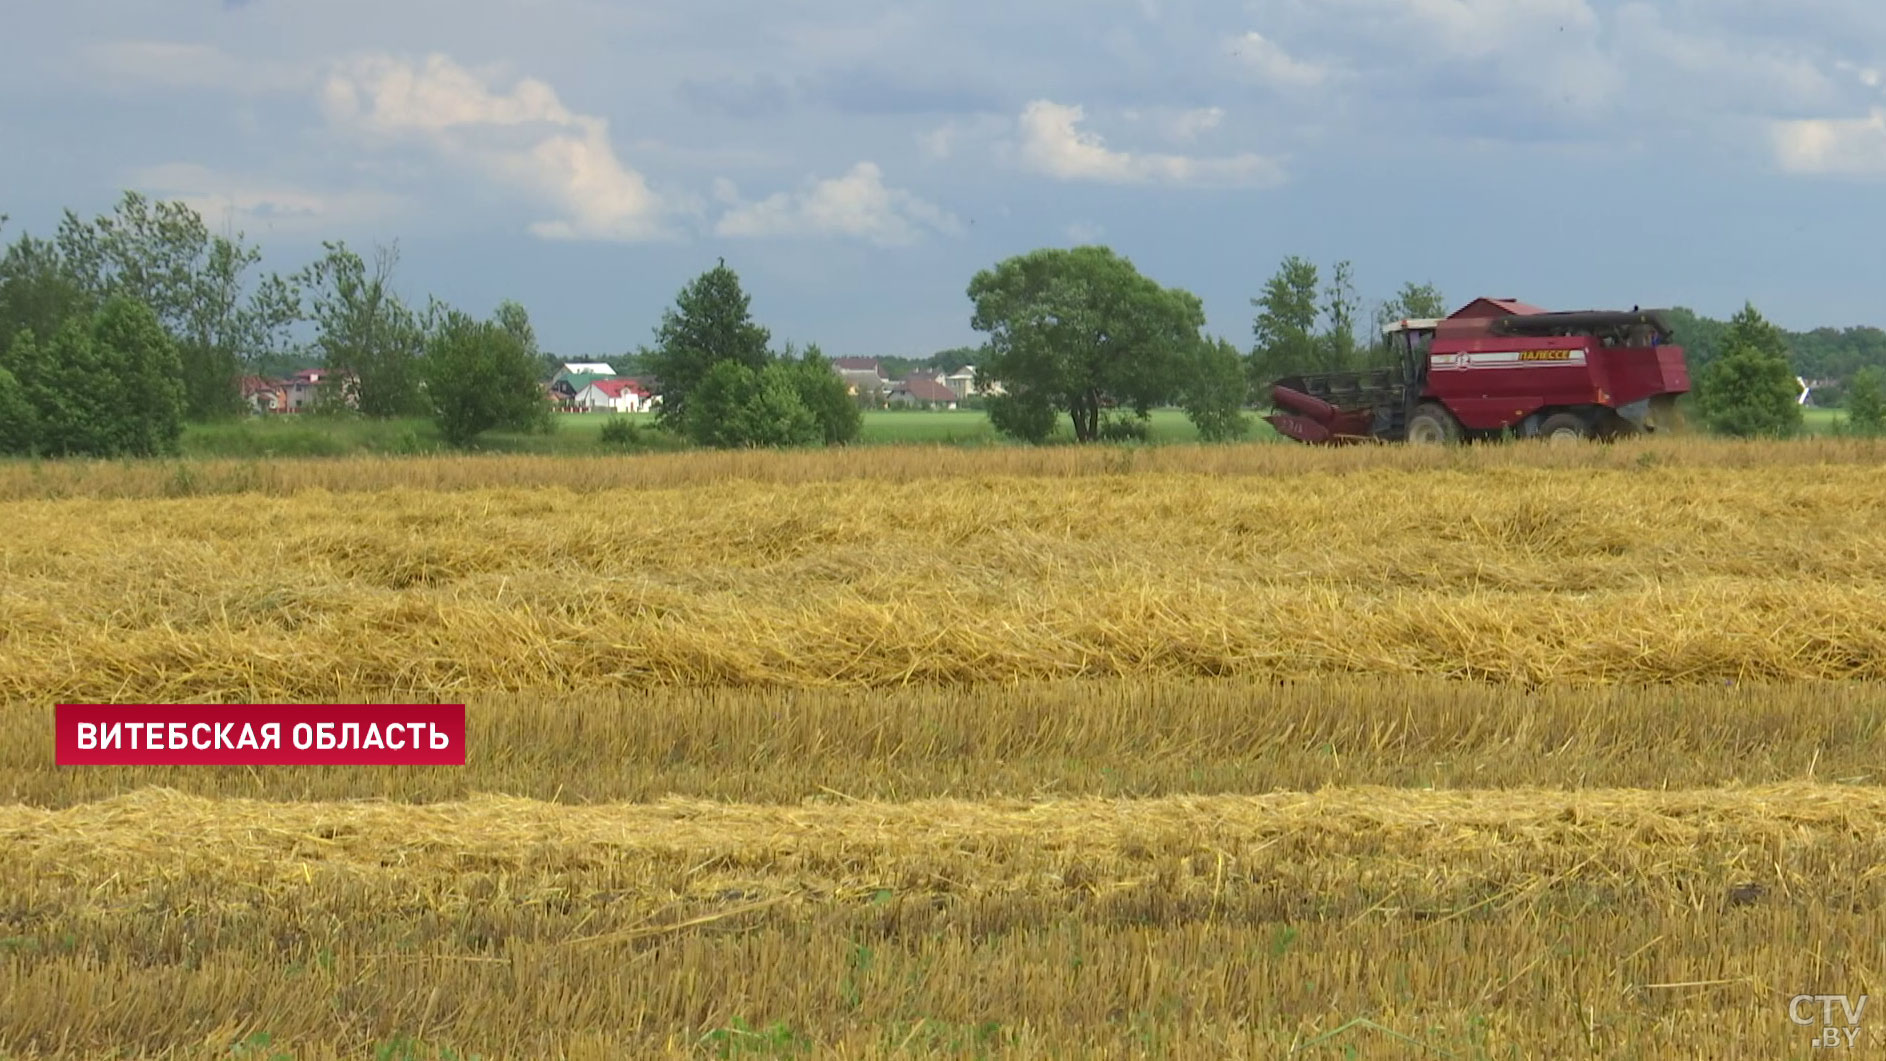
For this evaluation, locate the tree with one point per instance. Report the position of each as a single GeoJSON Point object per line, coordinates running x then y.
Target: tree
{"type": "Point", "coordinates": [105, 384]}
{"type": "Point", "coordinates": [1285, 328]}
{"type": "Point", "coordinates": [1866, 401]}
{"type": "Point", "coordinates": [364, 334]}
{"type": "Point", "coordinates": [736, 407]}
{"type": "Point", "coordinates": [1340, 309]}
{"type": "Point", "coordinates": [709, 324]}
{"type": "Point", "coordinates": [1702, 338]}
{"type": "Point", "coordinates": [480, 375]}
{"type": "Point", "coordinates": [1075, 330]}
{"type": "Point", "coordinates": [163, 255]}
{"type": "Point", "coordinates": [146, 374]}
{"type": "Point", "coordinates": [823, 394]}
{"type": "Point", "coordinates": [39, 290]}
{"type": "Point", "coordinates": [1413, 302]}
{"type": "Point", "coordinates": [1750, 390]}
{"type": "Point", "coordinates": [1213, 395]}
{"type": "Point", "coordinates": [19, 424]}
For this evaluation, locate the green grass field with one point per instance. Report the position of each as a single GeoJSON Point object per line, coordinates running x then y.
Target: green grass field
{"type": "Point", "coordinates": [306, 436]}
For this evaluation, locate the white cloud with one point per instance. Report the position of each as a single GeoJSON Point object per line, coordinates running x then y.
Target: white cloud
{"type": "Point", "coordinates": [1274, 66]}
{"type": "Point", "coordinates": [1186, 126]}
{"type": "Point", "coordinates": [257, 205]}
{"type": "Point", "coordinates": [857, 205]}
{"type": "Point", "coordinates": [524, 137]}
{"type": "Point", "coordinates": [1697, 68]}
{"type": "Point", "coordinates": [943, 141]}
{"type": "Point", "coordinates": [1053, 144]}
{"type": "Point", "coordinates": [171, 64]}
{"type": "Point", "coordinates": [1833, 146]}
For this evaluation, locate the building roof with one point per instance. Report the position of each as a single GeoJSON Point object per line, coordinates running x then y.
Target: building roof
{"type": "Point", "coordinates": [589, 368]}
{"type": "Point", "coordinates": [256, 385]}
{"type": "Point", "coordinates": [1494, 307]}
{"type": "Point", "coordinates": [926, 390]}
{"type": "Point", "coordinates": [616, 388]}
{"type": "Point", "coordinates": [857, 364]}
{"type": "Point", "coordinates": [579, 380]}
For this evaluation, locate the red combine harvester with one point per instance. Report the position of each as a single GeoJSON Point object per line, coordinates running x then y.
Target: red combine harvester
{"type": "Point", "coordinates": [1497, 366]}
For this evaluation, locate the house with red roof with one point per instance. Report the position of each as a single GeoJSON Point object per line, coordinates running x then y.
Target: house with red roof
{"type": "Point", "coordinates": [923, 389]}
{"type": "Point", "coordinates": [265, 395]}
{"type": "Point", "coordinates": [618, 395]}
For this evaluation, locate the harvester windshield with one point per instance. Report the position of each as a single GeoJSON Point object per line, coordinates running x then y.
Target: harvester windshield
{"type": "Point", "coordinates": [1408, 342]}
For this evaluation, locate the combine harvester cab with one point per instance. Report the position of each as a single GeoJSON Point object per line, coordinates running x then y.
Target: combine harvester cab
{"type": "Point", "coordinates": [1497, 367]}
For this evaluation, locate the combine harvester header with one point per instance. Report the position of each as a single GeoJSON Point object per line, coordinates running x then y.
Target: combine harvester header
{"type": "Point", "coordinates": [1497, 366]}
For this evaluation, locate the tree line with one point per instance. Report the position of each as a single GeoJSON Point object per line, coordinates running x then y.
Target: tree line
{"type": "Point", "coordinates": [117, 330]}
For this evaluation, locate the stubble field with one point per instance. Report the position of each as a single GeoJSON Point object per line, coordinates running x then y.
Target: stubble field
{"type": "Point", "coordinates": [1205, 752]}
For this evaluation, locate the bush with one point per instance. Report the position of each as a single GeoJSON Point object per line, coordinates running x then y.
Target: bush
{"type": "Point", "coordinates": [822, 392]}
{"type": "Point", "coordinates": [621, 432]}
{"type": "Point", "coordinates": [735, 407]}
{"type": "Point", "coordinates": [1866, 402]}
{"type": "Point", "coordinates": [1123, 429]}
{"type": "Point", "coordinates": [1022, 416]}
{"type": "Point", "coordinates": [1750, 391]}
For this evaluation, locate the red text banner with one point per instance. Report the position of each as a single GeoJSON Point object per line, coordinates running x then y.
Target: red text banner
{"type": "Point", "coordinates": [260, 735]}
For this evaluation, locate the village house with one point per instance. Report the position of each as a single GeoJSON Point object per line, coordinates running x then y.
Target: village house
{"type": "Point", "coordinates": [620, 395]}
{"type": "Point", "coordinates": [925, 390]}
{"type": "Point", "coordinates": [864, 377]}
{"type": "Point", "coordinates": [264, 395]}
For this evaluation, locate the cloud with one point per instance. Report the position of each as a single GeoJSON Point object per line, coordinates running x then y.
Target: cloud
{"type": "Point", "coordinates": [857, 205]}
{"type": "Point", "coordinates": [255, 204]}
{"type": "Point", "coordinates": [1695, 67]}
{"type": "Point", "coordinates": [176, 65]}
{"type": "Point", "coordinates": [1274, 66]}
{"type": "Point", "coordinates": [1053, 144]}
{"type": "Point", "coordinates": [525, 137]}
{"type": "Point", "coordinates": [941, 143]}
{"type": "Point", "coordinates": [1084, 232]}
{"type": "Point", "coordinates": [1833, 146]}
{"type": "Point", "coordinates": [1186, 126]}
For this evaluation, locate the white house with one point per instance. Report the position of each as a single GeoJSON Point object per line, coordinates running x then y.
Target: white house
{"type": "Point", "coordinates": [614, 396]}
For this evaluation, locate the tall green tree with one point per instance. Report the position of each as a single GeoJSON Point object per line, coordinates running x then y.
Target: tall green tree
{"type": "Point", "coordinates": [1413, 302]}
{"type": "Point", "coordinates": [711, 322]}
{"type": "Point", "coordinates": [1750, 390]}
{"type": "Point", "coordinates": [1341, 307]}
{"type": "Point", "coordinates": [1213, 395]}
{"type": "Point", "coordinates": [19, 423]}
{"type": "Point", "coordinates": [1284, 332]}
{"type": "Point", "coordinates": [369, 338]}
{"type": "Point", "coordinates": [480, 375]}
{"type": "Point", "coordinates": [823, 394]}
{"type": "Point", "coordinates": [1075, 330]}
{"type": "Point", "coordinates": [198, 285]}
{"type": "Point", "coordinates": [39, 290]}
{"type": "Point", "coordinates": [105, 384]}
{"type": "Point", "coordinates": [1866, 401]}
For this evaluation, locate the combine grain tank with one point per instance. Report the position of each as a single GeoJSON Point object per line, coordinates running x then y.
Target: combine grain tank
{"type": "Point", "coordinates": [1494, 367]}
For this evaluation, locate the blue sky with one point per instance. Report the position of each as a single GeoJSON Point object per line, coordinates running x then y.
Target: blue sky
{"type": "Point", "coordinates": [857, 163]}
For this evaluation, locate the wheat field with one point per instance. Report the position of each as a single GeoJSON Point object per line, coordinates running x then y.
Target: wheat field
{"type": "Point", "coordinates": [1260, 751]}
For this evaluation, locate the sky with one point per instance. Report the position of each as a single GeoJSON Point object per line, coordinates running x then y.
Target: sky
{"type": "Point", "coordinates": [857, 163]}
